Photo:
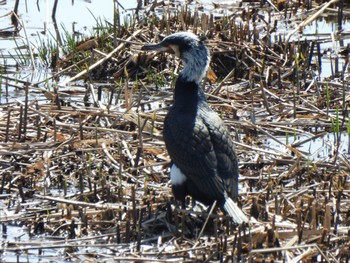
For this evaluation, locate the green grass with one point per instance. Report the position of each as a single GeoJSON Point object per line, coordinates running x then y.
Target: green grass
{"type": "Point", "coordinates": [46, 50]}
{"type": "Point", "coordinates": [21, 58]}
{"type": "Point", "coordinates": [157, 78]}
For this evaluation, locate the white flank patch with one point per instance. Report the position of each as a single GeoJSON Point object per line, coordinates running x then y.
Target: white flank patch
{"type": "Point", "coordinates": [176, 176]}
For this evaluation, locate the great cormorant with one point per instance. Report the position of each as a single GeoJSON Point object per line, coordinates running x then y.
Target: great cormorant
{"type": "Point", "coordinates": [204, 163]}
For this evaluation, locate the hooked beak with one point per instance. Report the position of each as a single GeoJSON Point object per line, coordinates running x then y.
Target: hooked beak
{"type": "Point", "coordinates": [173, 49]}
{"type": "Point", "coordinates": [156, 47]}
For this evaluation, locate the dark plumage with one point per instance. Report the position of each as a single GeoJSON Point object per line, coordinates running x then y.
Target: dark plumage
{"type": "Point", "coordinates": [200, 147]}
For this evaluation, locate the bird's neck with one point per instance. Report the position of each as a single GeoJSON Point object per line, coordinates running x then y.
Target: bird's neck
{"type": "Point", "coordinates": [196, 64]}
{"type": "Point", "coordinates": [188, 94]}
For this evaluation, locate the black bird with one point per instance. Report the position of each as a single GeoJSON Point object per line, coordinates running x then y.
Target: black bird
{"type": "Point", "coordinates": [204, 163]}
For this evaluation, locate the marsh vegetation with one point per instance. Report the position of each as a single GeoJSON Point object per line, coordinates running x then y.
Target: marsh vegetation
{"type": "Point", "coordinates": [84, 170]}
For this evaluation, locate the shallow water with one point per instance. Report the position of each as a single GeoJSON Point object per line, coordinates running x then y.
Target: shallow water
{"type": "Point", "coordinates": [323, 148]}
{"type": "Point", "coordinates": [77, 16]}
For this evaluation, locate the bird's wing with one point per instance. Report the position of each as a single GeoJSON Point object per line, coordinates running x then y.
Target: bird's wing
{"type": "Point", "coordinates": [227, 164]}
{"type": "Point", "coordinates": [193, 146]}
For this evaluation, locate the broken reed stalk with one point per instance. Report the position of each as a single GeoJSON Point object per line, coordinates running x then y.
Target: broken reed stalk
{"type": "Point", "coordinates": [25, 115]}
{"type": "Point", "coordinates": [20, 123]}
{"type": "Point", "coordinates": [8, 125]}
{"type": "Point", "coordinates": [116, 22]}
{"type": "Point", "coordinates": [29, 45]}
{"type": "Point", "coordinates": [340, 15]}
{"type": "Point", "coordinates": [53, 14]}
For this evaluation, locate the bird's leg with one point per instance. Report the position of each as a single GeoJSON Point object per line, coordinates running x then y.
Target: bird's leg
{"type": "Point", "coordinates": [183, 204]}
{"type": "Point", "coordinates": [179, 204]}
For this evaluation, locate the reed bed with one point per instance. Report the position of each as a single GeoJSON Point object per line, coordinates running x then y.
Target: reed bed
{"type": "Point", "coordinates": [84, 168]}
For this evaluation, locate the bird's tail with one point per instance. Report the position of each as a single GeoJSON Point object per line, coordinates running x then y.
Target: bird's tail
{"type": "Point", "coordinates": [234, 211]}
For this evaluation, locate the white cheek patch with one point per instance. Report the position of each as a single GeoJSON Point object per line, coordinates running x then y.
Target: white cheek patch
{"type": "Point", "coordinates": [176, 50]}
{"type": "Point", "coordinates": [176, 176]}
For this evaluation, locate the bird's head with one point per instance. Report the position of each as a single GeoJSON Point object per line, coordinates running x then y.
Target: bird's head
{"type": "Point", "coordinates": [190, 49]}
